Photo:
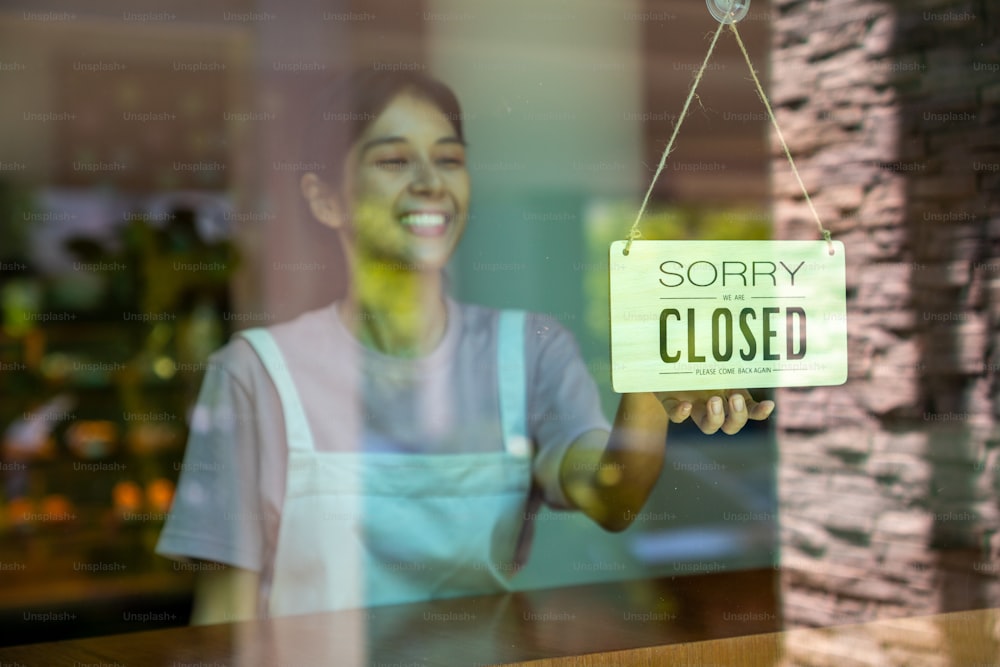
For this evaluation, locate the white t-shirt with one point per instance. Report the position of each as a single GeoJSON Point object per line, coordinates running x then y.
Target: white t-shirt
{"type": "Point", "coordinates": [232, 484]}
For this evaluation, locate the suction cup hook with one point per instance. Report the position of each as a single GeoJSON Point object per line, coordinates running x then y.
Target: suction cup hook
{"type": "Point", "coordinates": [728, 11]}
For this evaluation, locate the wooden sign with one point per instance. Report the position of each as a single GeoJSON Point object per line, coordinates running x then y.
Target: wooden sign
{"type": "Point", "coordinates": [727, 315]}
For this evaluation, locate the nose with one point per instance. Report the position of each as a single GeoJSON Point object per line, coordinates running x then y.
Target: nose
{"type": "Point", "coordinates": [426, 179]}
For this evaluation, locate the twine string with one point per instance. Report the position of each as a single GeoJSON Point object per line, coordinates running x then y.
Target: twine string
{"type": "Point", "coordinates": [781, 137]}
{"type": "Point", "coordinates": [634, 233]}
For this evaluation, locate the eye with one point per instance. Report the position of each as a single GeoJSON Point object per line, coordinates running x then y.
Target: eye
{"type": "Point", "coordinates": [392, 163]}
{"type": "Point", "coordinates": [452, 161]}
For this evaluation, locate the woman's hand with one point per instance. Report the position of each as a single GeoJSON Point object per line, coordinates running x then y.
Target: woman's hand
{"type": "Point", "coordinates": [609, 477]}
{"type": "Point", "coordinates": [727, 410]}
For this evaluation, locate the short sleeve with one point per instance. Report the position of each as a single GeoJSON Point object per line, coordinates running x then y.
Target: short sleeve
{"type": "Point", "coordinates": [215, 513]}
{"type": "Point", "coordinates": [563, 402]}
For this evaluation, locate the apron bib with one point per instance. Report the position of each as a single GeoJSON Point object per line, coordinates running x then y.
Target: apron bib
{"type": "Point", "coordinates": [360, 530]}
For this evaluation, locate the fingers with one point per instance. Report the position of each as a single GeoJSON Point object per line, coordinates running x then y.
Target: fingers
{"type": "Point", "coordinates": [730, 415]}
{"type": "Point", "coordinates": [736, 415]}
{"type": "Point", "coordinates": [710, 416]}
{"type": "Point", "coordinates": [677, 411]}
{"type": "Point", "coordinates": [756, 411]}
{"type": "Point", "coordinates": [712, 413]}
{"type": "Point", "coordinates": [762, 410]}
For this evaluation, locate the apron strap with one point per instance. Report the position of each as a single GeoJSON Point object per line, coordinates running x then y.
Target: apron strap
{"type": "Point", "coordinates": [510, 377]}
{"type": "Point", "coordinates": [297, 431]}
{"type": "Point", "coordinates": [511, 380]}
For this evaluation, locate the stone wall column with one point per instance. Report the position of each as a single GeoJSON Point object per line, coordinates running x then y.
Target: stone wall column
{"type": "Point", "coordinates": [888, 484]}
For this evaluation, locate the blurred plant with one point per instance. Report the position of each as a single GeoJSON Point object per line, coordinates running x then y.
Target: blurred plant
{"type": "Point", "coordinates": [156, 270]}
{"type": "Point", "coordinates": [15, 205]}
{"type": "Point", "coordinates": [20, 294]}
{"type": "Point", "coordinates": [173, 282]}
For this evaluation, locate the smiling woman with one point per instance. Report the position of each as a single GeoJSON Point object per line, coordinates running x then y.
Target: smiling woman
{"type": "Point", "coordinates": [401, 205]}
{"type": "Point", "coordinates": [395, 445]}
{"type": "Point", "coordinates": [398, 191]}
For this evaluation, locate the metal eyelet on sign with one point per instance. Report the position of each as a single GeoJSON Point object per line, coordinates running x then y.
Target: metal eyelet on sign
{"type": "Point", "coordinates": [728, 11]}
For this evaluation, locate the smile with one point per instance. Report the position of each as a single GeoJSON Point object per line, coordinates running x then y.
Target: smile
{"type": "Point", "coordinates": [426, 223]}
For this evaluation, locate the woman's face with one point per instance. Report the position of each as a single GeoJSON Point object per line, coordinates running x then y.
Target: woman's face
{"type": "Point", "coordinates": [406, 189]}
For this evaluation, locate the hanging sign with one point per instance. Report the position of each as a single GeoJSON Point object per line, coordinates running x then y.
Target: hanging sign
{"type": "Point", "coordinates": [691, 315]}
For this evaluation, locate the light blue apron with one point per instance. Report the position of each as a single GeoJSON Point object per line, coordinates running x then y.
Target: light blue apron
{"type": "Point", "coordinates": [361, 530]}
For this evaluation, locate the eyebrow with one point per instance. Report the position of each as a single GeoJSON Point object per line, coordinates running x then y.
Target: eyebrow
{"type": "Point", "coordinates": [402, 140]}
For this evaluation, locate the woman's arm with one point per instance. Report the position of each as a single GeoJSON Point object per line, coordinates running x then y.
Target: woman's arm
{"type": "Point", "coordinates": [609, 477]}
{"type": "Point", "coordinates": [224, 595]}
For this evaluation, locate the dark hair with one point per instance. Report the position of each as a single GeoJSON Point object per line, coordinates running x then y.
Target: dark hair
{"type": "Point", "coordinates": [352, 102]}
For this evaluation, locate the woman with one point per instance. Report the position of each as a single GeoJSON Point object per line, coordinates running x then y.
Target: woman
{"type": "Point", "coordinates": [385, 449]}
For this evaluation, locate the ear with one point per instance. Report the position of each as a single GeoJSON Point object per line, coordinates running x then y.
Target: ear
{"type": "Point", "coordinates": [323, 203]}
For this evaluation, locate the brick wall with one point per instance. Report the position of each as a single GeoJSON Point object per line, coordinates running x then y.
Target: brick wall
{"type": "Point", "coordinates": [888, 485]}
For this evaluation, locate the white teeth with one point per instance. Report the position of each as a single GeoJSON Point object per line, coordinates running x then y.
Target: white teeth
{"type": "Point", "coordinates": [423, 219]}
